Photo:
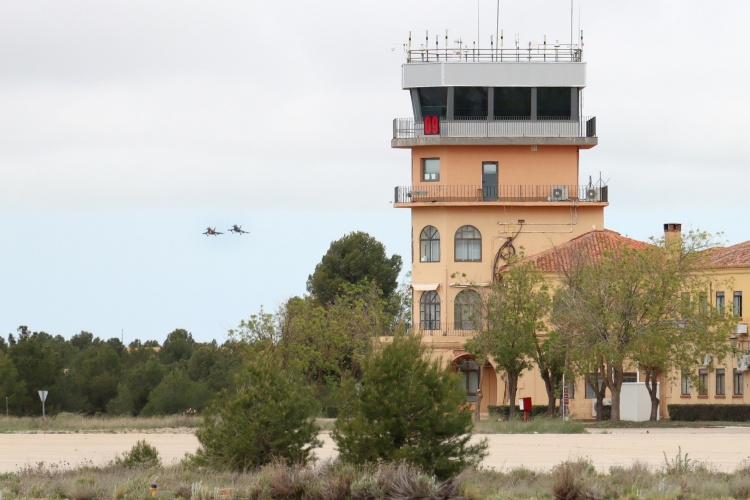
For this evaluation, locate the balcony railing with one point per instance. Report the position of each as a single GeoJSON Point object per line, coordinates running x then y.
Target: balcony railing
{"type": "Point", "coordinates": [545, 52]}
{"type": "Point", "coordinates": [437, 328]}
{"type": "Point", "coordinates": [409, 128]}
{"type": "Point", "coordinates": [438, 193]}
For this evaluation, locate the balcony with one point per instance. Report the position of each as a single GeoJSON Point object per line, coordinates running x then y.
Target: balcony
{"type": "Point", "coordinates": [439, 329]}
{"type": "Point", "coordinates": [408, 132]}
{"type": "Point", "coordinates": [426, 194]}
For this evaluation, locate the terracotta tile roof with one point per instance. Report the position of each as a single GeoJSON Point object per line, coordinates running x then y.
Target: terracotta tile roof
{"type": "Point", "coordinates": [730, 257]}
{"type": "Point", "coordinates": [587, 247]}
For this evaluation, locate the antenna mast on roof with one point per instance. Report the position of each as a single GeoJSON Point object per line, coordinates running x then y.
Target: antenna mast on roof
{"type": "Point", "coordinates": [571, 24]}
{"type": "Point", "coordinates": [497, 24]}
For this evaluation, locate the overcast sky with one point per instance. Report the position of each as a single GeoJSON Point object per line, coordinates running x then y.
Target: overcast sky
{"type": "Point", "coordinates": [128, 127]}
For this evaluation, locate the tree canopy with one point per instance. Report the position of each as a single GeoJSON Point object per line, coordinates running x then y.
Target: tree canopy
{"type": "Point", "coordinates": [642, 305]}
{"type": "Point", "coordinates": [353, 259]}
{"type": "Point", "coordinates": [407, 407]}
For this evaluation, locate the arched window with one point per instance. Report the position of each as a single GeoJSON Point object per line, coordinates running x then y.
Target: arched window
{"type": "Point", "coordinates": [429, 311]}
{"type": "Point", "coordinates": [429, 245]}
{"type": "Point", "coordinates": [467, 310]}
{"type": "Point", "coordinates": [468, 244]}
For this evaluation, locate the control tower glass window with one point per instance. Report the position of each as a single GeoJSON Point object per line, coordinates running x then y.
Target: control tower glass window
{"type": "Point", "coordinates": [512, 103]}
{"type": "Point", "coordinates": [470, 102]}
{"type": "Point", "coordinates": [468, 244]}
{"type": "Point", "coordinates": [433, 101]}
{"type": "Point", "coordinates": [431, 169]}
{"type": "Point", "coordinates": [553, 103]}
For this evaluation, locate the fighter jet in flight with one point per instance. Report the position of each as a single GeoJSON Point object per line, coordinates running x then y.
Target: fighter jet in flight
{"type": "Point", "coordinates": [236, 229]}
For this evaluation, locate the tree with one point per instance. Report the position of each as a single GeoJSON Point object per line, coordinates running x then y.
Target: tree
{"type": "Point", "coordinates": [266, 417]}
{"type": "Point", "coordinates": [320, 341]}
{"type": "Point", "coordinates": [39, 364]}
{"type": "Point", "coordinates": [513, 316]}
{"type": "Point", "coordinates": [122, 404]}
{"type": "Point", "coordinates": [176, 393]}
{"type": "Point", "coordinates": [631, 306]}
{"type": "Point", "coordinates": [178, 346]}
{"type": "Point", "coordinates": [355, 258]}
{"type": "Point", "coordinates": [143, 378]}
{"type": "Point", "coordinates": [407, 407]}
{"type": "Point", "coordinates": [97, 371]}
{"type": "Point", "coordinates": [11, 386]}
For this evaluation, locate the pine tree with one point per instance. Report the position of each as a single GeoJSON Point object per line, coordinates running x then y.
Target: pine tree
{"type": "Point", "coordinates": [266, 417]}
{"type": "Point", "coordinates": [408, 408]}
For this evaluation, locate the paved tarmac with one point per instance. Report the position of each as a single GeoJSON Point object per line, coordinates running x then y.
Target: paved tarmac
{"type": "Point", "coordinates": [723, 448]}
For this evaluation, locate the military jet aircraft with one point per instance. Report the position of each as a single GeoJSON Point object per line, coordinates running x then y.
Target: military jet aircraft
{"type": "Point", "coordinates": [236, 229]}
{"type": "Point", "coordinates": [211, 231]}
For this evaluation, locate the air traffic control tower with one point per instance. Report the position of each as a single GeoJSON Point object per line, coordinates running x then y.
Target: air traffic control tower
{"type": "Point", "coordinates": [495, 137]}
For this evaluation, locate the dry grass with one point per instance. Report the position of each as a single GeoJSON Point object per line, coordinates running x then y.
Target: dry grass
{"type": "Point", "coordinates": [330, 481]}
{"type": "Point", "coordinates": [537, 425]}
{"type": "Point", "coordinates": [70, 422]}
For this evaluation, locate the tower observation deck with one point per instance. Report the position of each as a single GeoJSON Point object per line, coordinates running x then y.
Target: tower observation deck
{"type": "Point", "coordinates": [498, 96]}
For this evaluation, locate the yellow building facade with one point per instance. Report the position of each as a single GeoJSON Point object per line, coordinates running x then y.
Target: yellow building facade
{"type": "Point", "coordinates": [495, 137]}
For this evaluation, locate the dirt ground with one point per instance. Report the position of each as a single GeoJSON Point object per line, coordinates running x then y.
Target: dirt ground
{"type": "Point", "coordinates": [722, 447]}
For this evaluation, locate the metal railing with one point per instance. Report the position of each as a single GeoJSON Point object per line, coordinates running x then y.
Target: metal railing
{"type": "Point", "coordinates": [409, 128]}
{"type": "Point", "coordinates": [440, 193]}
{"type": "Point", "coordinates": [438, 328]}
{"type": "Point", "coordinates": [539, 53]}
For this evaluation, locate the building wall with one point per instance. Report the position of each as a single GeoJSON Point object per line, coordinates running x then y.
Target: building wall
{"type": "Point", "coordinates": [517, 165]}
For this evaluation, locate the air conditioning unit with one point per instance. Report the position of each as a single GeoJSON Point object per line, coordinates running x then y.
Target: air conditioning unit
{"type": "Point", "coordinates": [593, 193]}
{"type": "Point", "coordinates": [740, 329]}
{"type": "Point", "coordinates": [605, 402]}
{"type": "Point", "coordinates": [559, 193]}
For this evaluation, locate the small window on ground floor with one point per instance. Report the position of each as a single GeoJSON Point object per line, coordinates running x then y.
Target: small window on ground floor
{"type": "Point", "coordinates": [591, 379]}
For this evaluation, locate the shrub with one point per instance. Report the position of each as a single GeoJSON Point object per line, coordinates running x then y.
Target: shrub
{"type": "Point", "coordinates": [266, 417]}
{"type": "Point", "coordinates": [709, 413]}
{"type": "Point", "coordinates": [408, 408]}
{"type": "Point", "coordinates": [140, 456]}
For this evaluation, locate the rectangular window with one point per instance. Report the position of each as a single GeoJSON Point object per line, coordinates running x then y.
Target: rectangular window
{"type": "Point", "coordinates": [431, 169]}
{"type": "Point", "coordinates": [737, 304]}
{"type": "Point", "coordinates": [685, 385]}
{"type": "Point", "coordinates": [720, 382]}
{"type": "Point", "coordinates": [512, 103]}
{"type": "Point", "coordinates": [433, 101]}
{"type": "Point", "coordinates": [703, 302]}
{"type": "Point", "coordinates": [629, 377]}
{"type": "Point", "coordinates": [591, 379]}
{"type": "Point", "coordinates": [553, 103]}
{"type": "Point", "coordinates": [720, 302]}
{"type": "Point", "coordinates": [571, 389]}
{"type": "Point", "coordinates": [470, 102]}
{"type": "Point", "coordinates": [686, 299]}
{"type": "Point", "coordinates": [737, 390]}
{"type": "Point", "coordinates": [703, 382]}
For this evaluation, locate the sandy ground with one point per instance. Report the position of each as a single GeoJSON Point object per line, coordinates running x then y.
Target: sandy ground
{"type": "Point", "coordinates": [722, 447]}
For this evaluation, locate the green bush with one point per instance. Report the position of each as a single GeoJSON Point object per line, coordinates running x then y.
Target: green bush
{"type": "Point", "coordinates": [709, 413]}
{"type": "Point", "coordinates": [267, 417]}
{"type": "Point", "coordinates": [140, 456]}
{"type": "Point", "coordinates": [407, 408]}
